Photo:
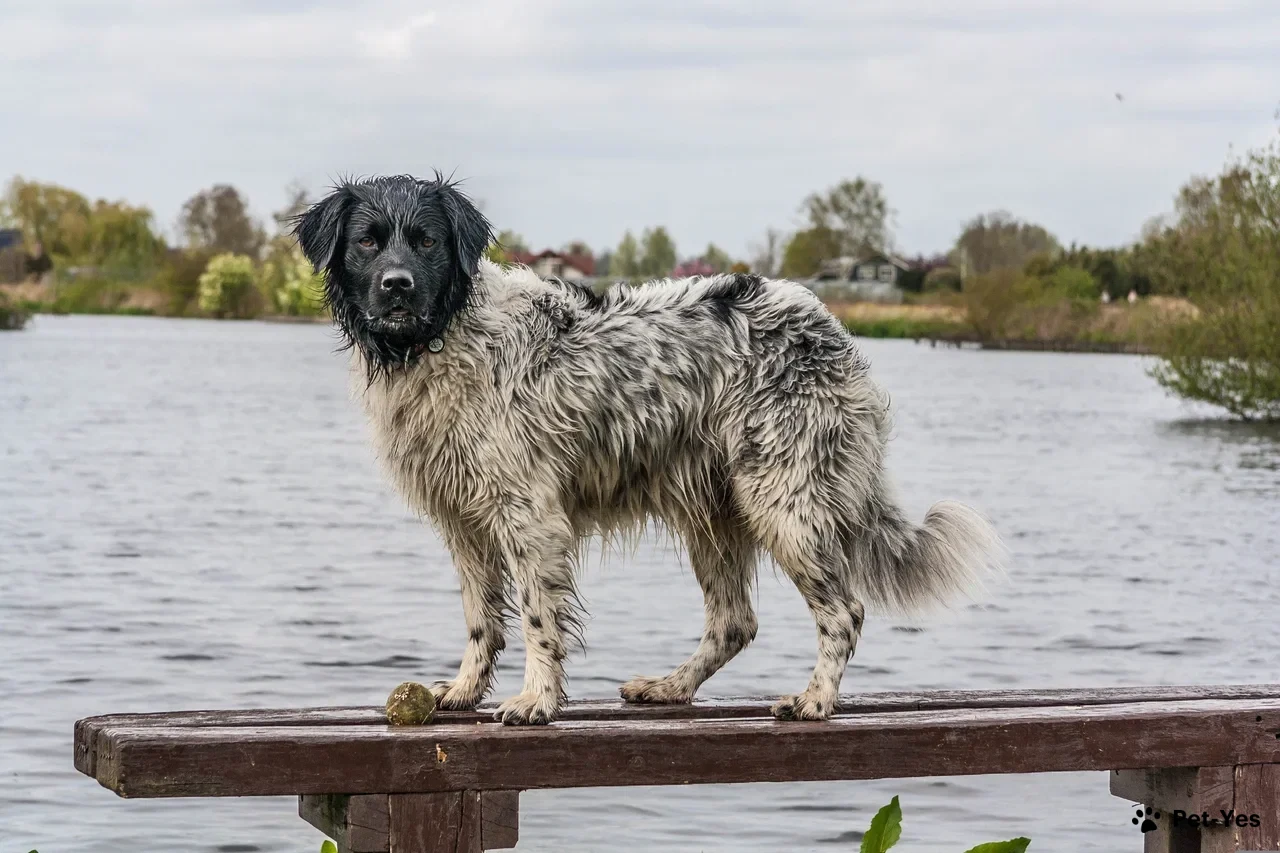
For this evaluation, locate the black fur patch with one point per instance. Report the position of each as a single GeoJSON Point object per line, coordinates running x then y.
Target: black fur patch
{"type": "Point", "coordinates": [728, 294]}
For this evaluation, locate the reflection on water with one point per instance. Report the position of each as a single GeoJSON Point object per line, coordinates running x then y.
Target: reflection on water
{"type": "Point", "coordinates": [190, 518]}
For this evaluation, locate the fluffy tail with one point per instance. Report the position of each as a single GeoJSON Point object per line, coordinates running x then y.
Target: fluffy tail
{"type": "Point", "coordinates": [904, 568]}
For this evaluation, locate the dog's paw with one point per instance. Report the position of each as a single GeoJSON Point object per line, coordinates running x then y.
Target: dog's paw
{"type": "Point", "coordinates": [644, 690]}
{"type": "Point", "coordinates": [527, 709]}
{"type": "Point", "coordinates": [802, 707]}
{"type": "Point", "coordinates": [456, 696]}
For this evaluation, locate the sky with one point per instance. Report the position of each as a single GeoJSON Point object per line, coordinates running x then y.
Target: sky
{"type": "Point", "coordinates": [576, 120]}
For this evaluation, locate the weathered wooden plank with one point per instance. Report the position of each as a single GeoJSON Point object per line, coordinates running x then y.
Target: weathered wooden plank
{"type": "Point", "coordinates": [616, 709]}
{"type": "Point", "coordinates": [275, 760]}
{"type": "Point", "coordinates": [447, 822]}
{"type": "Point", "coordinates": [87, 729]}
{"type": "Point", "coordinates": [357, 824]}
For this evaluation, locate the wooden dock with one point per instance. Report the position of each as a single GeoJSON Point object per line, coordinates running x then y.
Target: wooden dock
{"type": "Point", "coordinates": [454, 785]}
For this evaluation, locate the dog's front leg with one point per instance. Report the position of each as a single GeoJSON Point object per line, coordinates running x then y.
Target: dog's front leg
{"type": "Point", "coordinates": [484, 606]}
{"type": "Point", "coordinates": [540, 557]}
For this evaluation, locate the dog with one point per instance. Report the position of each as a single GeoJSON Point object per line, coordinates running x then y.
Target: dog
{"type": "Point", "coordinates": [522, 416]}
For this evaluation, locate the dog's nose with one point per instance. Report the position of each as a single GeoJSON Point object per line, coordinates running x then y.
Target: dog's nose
{"type": "Point", "coordinates": [397, 280]}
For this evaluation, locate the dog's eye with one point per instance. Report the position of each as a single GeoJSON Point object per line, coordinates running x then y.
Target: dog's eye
{"type": "Point", "coordinates": [427, 242]}
{"type": "Point", "coordinates": [368, 242]}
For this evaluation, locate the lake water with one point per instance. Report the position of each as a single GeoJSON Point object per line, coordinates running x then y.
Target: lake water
{"type": "Point", "coordinates": [191, 517]}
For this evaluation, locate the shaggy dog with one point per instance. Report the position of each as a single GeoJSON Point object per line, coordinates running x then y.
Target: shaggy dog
{"type": "Point", "coordinates": [522, 416]}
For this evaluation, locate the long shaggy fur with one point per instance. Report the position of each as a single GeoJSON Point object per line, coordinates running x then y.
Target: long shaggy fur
{"type": "Point", "coordinates": [735, 409]}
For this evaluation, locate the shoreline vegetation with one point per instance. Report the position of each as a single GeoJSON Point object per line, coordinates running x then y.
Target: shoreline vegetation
{"type": "Point", "coordinates": [1200, 288]}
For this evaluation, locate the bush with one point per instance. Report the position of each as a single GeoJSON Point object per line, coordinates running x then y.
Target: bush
{"type": "Point", "coordinates": [993, 302]}
{"type": "Point", "coordinates": [12, 316]}
{"type": "Point", "coordinates": [288, 283]}
{"type": "Point", "coordinates": [942, 279]}
{"type": "Point", "coordinates": [1072, 283]}
{"type": "Point", "coordinates": [227, 287]}
{"type": "Point", "coordinates": [88, 296]}
{"type": "Point", "coordinates": [179, 279]}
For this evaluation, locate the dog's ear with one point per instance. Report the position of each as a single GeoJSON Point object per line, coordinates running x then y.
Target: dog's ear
{"type": "Point", "coordinates": [472, 232]}
{"type": "Point", "coordinates": [319, 229]}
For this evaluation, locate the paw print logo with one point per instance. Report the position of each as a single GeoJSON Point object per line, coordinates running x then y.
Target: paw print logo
{"type": "Point", "coordinates": [1145, 819]}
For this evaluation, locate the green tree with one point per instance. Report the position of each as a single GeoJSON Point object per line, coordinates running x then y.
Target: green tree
{"type": "Point", "coordinates": [995, 241]}
{"type": "Point", "coordinates": [806, 251]}
{"type": "Point", "coordinates": [289, 284]}
{"type": "Point", "coordinates": [54, 216]}
{"type": "Point", "coordinates": [659, 253]}
{"type": "Point", "coordinates": [227, 287]}
{"type": "Point", "coordinates": [716, 258]}
{"type": "Point", "coordinates": [502, 250]}
{"type": "Point", "coordinates": [855, 212]}
{"type": "Point", "coordinates": [179, 278]}
{"type": "Point", "coordinates": [1072, 282]}
{"type": "Point", "coordinates": [625, 262]}
{"type": "Point", "coordinates": [121, 240]}
{"type": "Point", "coordinates": [115, 236]}
{"type": "Point", "coordinates": [217, 219]}
{"type": "Point", "coordinates": [1223, 251]}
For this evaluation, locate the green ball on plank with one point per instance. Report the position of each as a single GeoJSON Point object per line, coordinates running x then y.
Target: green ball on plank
{"type": "Point", "coordinates": [410, 704]}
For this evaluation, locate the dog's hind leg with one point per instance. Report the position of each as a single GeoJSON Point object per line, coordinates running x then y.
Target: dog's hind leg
{"type": "Point", "coordinates": [789, 524]}
{"type": "Point", "coordinates": [724, 561]}
{"type": "Point", "coordinates": [540, 550]}
{"type": "Point", "coordinates": [485, 604]}
{"type": "Point", "coordinates": [818, 570]}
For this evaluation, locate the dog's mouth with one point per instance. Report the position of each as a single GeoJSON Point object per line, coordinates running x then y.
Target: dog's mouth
{"type": "Point", "coordinates": [396, 320]}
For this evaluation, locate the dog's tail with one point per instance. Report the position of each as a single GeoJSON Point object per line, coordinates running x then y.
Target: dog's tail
{"type": "Point", "coordinates": [904, 568]}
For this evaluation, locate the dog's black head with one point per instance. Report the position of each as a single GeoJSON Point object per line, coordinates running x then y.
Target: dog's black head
{"type": "Point", "coordinates": [398, 254]}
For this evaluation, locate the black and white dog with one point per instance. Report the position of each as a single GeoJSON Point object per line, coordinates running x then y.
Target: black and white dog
{"type": "Point", "coordinates": [522, 416]}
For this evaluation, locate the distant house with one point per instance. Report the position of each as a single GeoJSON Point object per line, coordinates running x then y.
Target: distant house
{"type": "Point", "coordinates": [561, 265]}
{"type": "Point", "coordinates": [874, 267]}
{"type": "Point", "coordinates": [869, 278]}
{"type": "Point", "coordinates": [12, 258]}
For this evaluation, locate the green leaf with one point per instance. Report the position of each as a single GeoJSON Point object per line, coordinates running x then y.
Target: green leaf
{"type": "Point", "coordinates": [885, 830]}
{"type": "Point", "coordinates": [328, 847]}
{"type": "Point", "coordinates": [1013, 845]}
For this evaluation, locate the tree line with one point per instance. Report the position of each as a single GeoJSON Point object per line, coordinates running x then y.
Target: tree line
{"type": "Point", "coordinates": [228, 264]}
{"type": "Point", "coordinates": [1217, 253]}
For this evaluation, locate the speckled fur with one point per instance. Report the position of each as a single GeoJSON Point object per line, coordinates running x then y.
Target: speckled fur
{"type": "Point", "coordinates": [735, 409]}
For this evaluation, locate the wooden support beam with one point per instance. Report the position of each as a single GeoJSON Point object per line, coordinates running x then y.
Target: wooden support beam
{"type": "Point", "coordinates": [357, 824]}
{"type": "Point", "coordinates": [1206, 809]}
{"type": "Point", "coordinates": [418, 823]}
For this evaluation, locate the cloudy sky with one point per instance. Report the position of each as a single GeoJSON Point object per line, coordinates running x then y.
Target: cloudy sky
{"type": "Point", "coordinates": [577, 120]}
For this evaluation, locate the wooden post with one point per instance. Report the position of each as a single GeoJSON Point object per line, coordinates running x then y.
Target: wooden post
{"type": "Point", "coordinates": [1206, 809]}
{"type": "Point", "coordinates": [448, 822]}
